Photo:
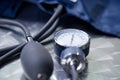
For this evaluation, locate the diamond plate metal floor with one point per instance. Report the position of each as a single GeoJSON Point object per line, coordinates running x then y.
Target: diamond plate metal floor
{"type": "Point", "coordinates": [103, 62]}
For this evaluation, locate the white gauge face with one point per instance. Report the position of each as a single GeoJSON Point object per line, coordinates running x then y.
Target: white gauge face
{"type": "Point", "coordinates": [71, 38]}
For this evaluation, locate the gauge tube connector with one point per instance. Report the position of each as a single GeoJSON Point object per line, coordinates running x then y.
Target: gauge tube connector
{"type": "Point", "coordinates": [73, 56]}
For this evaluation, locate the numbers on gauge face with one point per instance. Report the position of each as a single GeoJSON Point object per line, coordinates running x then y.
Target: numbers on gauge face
{"type": "Point", "coordinates": [74, 38]}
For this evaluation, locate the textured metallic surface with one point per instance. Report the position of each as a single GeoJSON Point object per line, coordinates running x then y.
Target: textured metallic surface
{"type": "Point", "coordinates": [103, 59]}
{"type": "Point", "coordinates": [103, 62]}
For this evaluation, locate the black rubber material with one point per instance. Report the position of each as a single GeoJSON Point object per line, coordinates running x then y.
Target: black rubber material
{"type": "Point", "coordinates": [50, 22]}
{"type": "Point", "coordinates": [15, 23]}
{"type": "Point", "coordinates": [36, 60]}
{"type": "Point", "coordinates": [5, 50]}
{"type": "Point", "coordinates": [23, 77]}
{"type": "Point", "coordinates": [41, 32]}
{"type": "Point", "coordinates": [4, 58]}
{"type": "Point", "coordinates": [74, 73]}
{"type": "Point", "coordinates": [50, 31]}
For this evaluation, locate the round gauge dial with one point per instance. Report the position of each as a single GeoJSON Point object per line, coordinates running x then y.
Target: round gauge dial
{"type": "Point", "coordinates": [71, 38]}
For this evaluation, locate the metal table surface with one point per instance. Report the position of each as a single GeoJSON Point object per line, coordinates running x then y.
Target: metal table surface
{"type": "Point", "coordinates": [103, 62]}
{"type": "Point", "coordinates": [103, 59]}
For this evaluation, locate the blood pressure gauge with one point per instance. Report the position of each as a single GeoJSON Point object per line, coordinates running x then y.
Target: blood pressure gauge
{"type": "Point", "coordinates": [72, 46]}
{"type": "Point", "coordinates": [71, 38]}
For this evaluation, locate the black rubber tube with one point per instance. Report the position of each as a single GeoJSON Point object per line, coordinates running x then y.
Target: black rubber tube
{"type": "Point", "coordinates": [15, 48]}
{"type": "Point", "coordinates": [18, 24]}
{"type": "Point", "coordinates": [50, 22]}
{"type": "Point", "coordinates": [41, 32]}
{"type": "Point", "coordinates": [50, 31]}
{"type": "Point", "coordinates": [74, 73]}
{"type": "Point", "coordinates": [12, 52]}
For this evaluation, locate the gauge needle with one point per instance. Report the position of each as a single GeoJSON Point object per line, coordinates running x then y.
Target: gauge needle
{"type": "Point", "coordinates": [72, 38]}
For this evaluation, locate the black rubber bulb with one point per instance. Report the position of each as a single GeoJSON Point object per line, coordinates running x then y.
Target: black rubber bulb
{"type": "Point", "coordinates": [36, 61]}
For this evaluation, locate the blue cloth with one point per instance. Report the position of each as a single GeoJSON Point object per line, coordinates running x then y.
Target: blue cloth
{"type": "Point", "coordinates": [73, 8]}
{"type": "Point", "coordinates": [109, 21]}
{"type": "Point", "coordinates": [102, 14]}
{"type": "Point", "coordinates": [9, 8]}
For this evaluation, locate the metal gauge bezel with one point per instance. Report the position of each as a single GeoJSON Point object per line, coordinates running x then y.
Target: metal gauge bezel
{"type": "Point", "coordinates": [58, 33]}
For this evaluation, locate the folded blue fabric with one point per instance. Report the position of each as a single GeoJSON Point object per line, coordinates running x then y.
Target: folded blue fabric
{"type": "Point", "coordinates": [9, 8]}
{"type": "Point", "coordinates": [73, 7]}
{"type": "Point", "coordinates": [102, 14]}
{"type": "Point", "coordinates": [109, 21]}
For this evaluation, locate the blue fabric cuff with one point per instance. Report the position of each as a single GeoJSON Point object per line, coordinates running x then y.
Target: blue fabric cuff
{"type": "Point", "coordinates": [74, 8]}
{"type": "Point", "coordinates": [102, 14]}
{"type": "Point", "coordinates": [9, 8]}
